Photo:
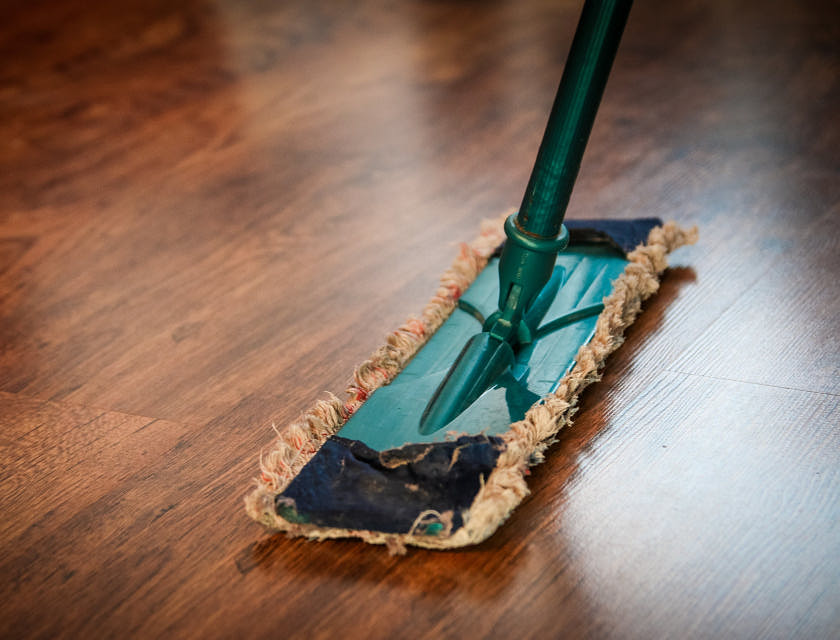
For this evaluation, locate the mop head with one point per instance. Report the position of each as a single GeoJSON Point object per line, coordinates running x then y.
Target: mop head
{"type": "Point", "coordinates": [316, 483]}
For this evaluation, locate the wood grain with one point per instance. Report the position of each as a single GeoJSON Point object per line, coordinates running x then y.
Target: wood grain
{"type": "Point", "coordinates": [211, 211]}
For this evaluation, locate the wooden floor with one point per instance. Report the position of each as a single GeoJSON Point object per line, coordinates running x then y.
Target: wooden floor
{"type": "Point", "coordinates": [211, 211]}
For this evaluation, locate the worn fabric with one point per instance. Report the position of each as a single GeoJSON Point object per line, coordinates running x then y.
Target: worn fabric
{"type": "Point", "coordinates": [347, 484]}
{"type": "Point", "coordinates": [623, 235]}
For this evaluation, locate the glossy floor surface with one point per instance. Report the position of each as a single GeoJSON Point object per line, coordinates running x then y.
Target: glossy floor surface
{"type": "Point", "coordinates": [211, 211]}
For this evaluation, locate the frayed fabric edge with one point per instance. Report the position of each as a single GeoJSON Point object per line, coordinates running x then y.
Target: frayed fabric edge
{"type": "Point", "coordinates": [525, 440]}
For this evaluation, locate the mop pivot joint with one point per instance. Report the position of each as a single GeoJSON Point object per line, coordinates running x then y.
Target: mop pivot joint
{"type": "Point", "coordinates": [525, 267]}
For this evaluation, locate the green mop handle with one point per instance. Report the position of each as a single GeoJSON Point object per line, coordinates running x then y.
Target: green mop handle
{"type": "Point", "coordinates": [570, 122]}
{"type": "Point", "coordinates": [529, 256]}
{"type": "Point", "coordinates": [528, 259]}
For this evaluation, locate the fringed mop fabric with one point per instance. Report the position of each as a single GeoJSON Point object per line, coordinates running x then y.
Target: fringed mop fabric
{"type": "Point", "coordinates": [525, 440]}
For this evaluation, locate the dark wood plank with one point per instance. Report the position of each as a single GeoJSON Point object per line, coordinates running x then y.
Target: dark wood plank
{"type": "Point", "coordinates": [103, 510]}
{"type": "Point", "coordinates": [783, 331]}
{"type": "Point", "coordinates": [269, 174]}
{"type": "Point", "coordinates": [723, 500]}
{"type": "Point", "coordinates": [210, 212]}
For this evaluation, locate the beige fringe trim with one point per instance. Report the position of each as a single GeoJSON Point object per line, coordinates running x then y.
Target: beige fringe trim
{"type": "Point", "coordinates": [526, 440]}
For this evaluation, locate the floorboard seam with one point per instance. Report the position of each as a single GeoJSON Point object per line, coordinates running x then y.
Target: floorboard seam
{"type": "Point", "coordinates": [757, 384]}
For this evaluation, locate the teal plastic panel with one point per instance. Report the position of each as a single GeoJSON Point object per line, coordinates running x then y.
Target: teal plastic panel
{"type": "Point", "coordinates": [391, 416]}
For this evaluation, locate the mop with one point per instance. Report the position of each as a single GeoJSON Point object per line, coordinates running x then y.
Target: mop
{"type": "Point", "coordinates": [440, 425]}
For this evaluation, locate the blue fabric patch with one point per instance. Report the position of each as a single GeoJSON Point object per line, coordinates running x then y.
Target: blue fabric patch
{"type": "Point", "coordinates": [348, 485]}
{"type": "Point", "coordinates": [624, 235]}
